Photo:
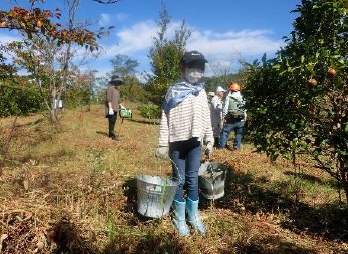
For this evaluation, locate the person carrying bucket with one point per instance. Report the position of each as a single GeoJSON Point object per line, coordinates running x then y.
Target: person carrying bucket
{"type": "Point", "coordinates": [185, 125]}
{"type": "Point", "coordinates": [113, 104]}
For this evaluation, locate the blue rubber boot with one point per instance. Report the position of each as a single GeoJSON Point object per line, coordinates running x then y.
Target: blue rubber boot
{"type": "Point", "coordinates": [179, 218]}
{"type": "Point", "coordinates": [193, 217]}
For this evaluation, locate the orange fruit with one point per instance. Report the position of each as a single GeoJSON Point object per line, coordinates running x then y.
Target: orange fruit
{"type": "Point", "coordinates": [331, 72]}
{"type": "Point", "coordinates": [312, 82]}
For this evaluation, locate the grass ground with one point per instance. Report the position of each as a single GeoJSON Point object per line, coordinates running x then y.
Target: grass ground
{"type": "Point", "coordinates": [68, 188]}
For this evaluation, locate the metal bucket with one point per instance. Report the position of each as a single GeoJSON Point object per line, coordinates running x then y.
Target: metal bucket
{"type": "Point", "coordinates": [155, 195]}
{"type": "Point", "coordinates": [211, 179]}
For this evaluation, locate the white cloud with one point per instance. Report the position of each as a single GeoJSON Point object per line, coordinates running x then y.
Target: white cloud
{"type": "Point", "coordinates": [104, 20]}
{"type": "Point", "coordinates": [135, 41]}
{"type": "Point", "coordinates": [6, 38]}
{"type": "Point", "coordinates": [107, 19]}
{"type": "Point", "coordinates": [229, 46]}
{"type": "Point", "coordinates": [121, 17]}
{"type": "Point", "coordinates": [138, 37]}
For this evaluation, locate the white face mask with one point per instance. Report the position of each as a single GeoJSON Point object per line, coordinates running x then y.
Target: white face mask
{"type": "Point", "coordinates": [235, 94]}
{"type": "Point", "coordinates": [193, 75]}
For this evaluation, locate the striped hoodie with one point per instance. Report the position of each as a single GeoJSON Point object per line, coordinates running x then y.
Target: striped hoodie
{"type": "Point", "coordinates": [188, 119]}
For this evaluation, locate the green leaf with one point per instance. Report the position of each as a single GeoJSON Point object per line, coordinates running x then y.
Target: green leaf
{"type": "Point", "coordinates": [341, 61]}
{"type": "Point", "coordinates": [292, 126]}
{"type": "Point", "coordinates": [310, 67]}
{"type": "Point", "coordinates": [343, 152]}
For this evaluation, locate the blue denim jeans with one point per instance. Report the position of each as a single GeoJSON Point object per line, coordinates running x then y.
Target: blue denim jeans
{"type": "Point", "coordinates": [230, 125]}
{"type": "Point", "coordinates": [186, 156]}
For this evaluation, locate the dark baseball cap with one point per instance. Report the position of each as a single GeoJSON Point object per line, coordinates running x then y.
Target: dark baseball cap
{"type": "Point", "coordinates": [193, 56]}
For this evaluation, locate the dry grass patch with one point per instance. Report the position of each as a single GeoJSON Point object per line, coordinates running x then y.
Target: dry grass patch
{"type": "Point", "coordinates": [68, 188]}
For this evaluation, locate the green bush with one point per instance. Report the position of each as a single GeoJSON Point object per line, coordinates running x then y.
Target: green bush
{"type": "Point", "coordinates": [150, 111]}
{"type": "Point", "coordinates": [77, 97]}
{"type": "Point", "coordinates": [19, 99]}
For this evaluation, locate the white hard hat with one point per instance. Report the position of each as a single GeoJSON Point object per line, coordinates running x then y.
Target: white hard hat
{"type": "Point", "coordinates": [220, 89]}
{"type": "Point", "coordinates": [212, 94]}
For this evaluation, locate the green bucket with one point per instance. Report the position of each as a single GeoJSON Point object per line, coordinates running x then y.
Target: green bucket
{"type": "Point", "coordinates": [126, 113]}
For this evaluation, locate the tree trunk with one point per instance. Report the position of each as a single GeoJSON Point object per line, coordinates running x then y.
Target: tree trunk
{"type": "Point", "coordinates": [344, 176]}
{"type": "Point", "coordinates": [345, 188]}
{"type": "Point", "coordinates": [53, 115]}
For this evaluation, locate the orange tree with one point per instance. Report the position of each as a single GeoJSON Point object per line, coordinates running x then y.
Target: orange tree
{"type": "Point", "coordinates": [298, 101]}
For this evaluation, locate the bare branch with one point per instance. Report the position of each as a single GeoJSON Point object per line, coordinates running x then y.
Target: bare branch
{"type": "Point", "coordinates": [106, 1]}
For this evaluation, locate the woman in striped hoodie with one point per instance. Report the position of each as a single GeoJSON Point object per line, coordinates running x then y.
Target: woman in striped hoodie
{"type": "Point", "coordinates": [185, 126]}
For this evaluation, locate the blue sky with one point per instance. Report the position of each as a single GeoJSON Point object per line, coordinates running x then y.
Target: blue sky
{"type": "Point", "coordinates": [223, 30]}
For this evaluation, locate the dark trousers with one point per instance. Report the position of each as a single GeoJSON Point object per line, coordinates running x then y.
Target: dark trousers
{"type": "Point", "coordinates": [230, 125]}
{"type": "Point", "coordinates": [185, 156]}
{"type": "Point", "coordinates": [112, 123]}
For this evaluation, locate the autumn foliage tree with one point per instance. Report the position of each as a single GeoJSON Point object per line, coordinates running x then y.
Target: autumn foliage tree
{"type": "Point", "coordinates": [38, 21]}
{"type": "Point", "coordinates": [47, 48]}
{"type": "Point", "coordinates": [298, 101]}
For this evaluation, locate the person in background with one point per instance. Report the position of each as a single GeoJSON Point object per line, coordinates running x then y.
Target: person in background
{"type": "Point", "coordinates": [185, 125]}
{"type": "Point", "coordinates": [210, 96]}
{"type": "Point", "coordinates": [234, 117]}
{"type": "Point", "coordinates": [216, 114]}
{"type": "Point", "coordinates": [58, 104]}
{"type": "Point", "coordinates": [113, 104]}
